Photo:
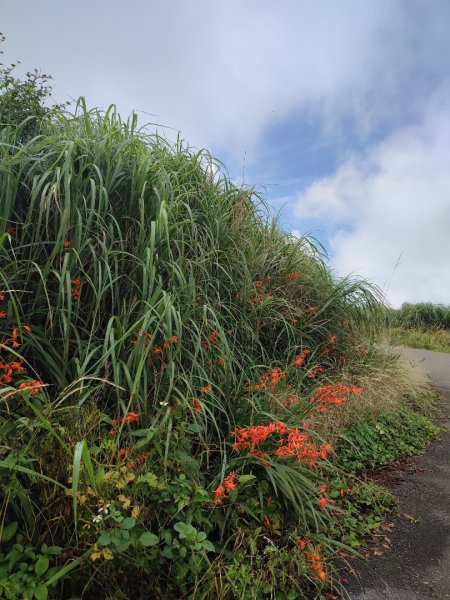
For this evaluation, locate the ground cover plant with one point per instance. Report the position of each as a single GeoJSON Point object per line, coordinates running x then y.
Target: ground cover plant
{"type": "Point", "coordinates": [168, 362]}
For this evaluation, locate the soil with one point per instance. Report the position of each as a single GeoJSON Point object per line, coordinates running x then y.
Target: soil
{"type": "Point", "coordinates": [410, 560]}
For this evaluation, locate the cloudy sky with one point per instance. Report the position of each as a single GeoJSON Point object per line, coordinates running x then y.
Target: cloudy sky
{"type": "Point", "coordinates": [338, 112]}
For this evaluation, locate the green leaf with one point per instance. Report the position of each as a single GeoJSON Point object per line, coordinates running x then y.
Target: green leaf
{"type": "Point", "coordinates": [104, 539]}
{"type": "Point", "coordinates": [148, 539]}
{"type": "Point", "coordinates": [41, 565]}
{"type": "Point", "coordinates": [8, 532]}
{"type": "Point", "coordinates": [246, 478]}
{"type": "Point", "coordinates": [128, 523]}
{"type": "Point", "coordinates": [150, 478]}
{"type": "Point", "coordinates": [208, 546]}
{"type": "Point", "coordinates": [41, 592]}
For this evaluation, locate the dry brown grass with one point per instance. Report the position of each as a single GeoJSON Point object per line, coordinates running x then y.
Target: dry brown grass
{"type": "Point", "coordinates": [385, 387]}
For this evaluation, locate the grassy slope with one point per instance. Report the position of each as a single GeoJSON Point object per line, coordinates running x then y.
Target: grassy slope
{"type": "Point", "coordinates": [164, 311]}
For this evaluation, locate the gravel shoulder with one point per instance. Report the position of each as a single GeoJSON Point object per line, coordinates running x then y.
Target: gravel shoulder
{"type": "Point", "coordinates": [416, 566]}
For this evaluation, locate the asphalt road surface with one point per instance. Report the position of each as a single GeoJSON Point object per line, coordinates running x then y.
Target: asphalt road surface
{"type": "Point", "coordinates": [417, 565]}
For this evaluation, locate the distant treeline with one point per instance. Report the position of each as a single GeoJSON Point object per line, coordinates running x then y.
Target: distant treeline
{"type": "Point", "coordinates": [421, 315]}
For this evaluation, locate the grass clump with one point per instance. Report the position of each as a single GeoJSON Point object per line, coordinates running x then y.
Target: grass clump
{"type": "Point", "coordinates": [423, 315]}
{"type": "Point", "coordinates": [169, 361]}
{"type": "Point", "coordinates": [150, 319]}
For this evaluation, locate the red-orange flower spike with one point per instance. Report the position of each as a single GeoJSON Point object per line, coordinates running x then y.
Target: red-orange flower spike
{"type": "Point", "coordinates": [207, 388]}
{"type": "Point", "coordinates": [292, 276]}
{"type": "Point", "coordinates": [67, 244]}
{"type": "Point", "coordinates": [131, 417]}
{"type": "Point", "coordinates": [34, 386]}
{"type": "Point", "coordinates": [299, 359]}
{"type": "Point", "coordinates": [2, 314]}
{"type": "Point", "coordinates": [196, 405]}
{"type": "Point", "coordinates": [123, 452]}
{"type": "Point", "coordinates": [139, 460]}
{"type": "Point", "coordinates": [259, 284]}
{"type": "Point", "coordinates": [323, 502]}
{"type": "Point", "coordinates": [213, 338]}
{"type": "Point", "coordinates": [220, 494]}
{"type": "Point", "coordinates": [2, 297]}
{"type": "Point", "coordinates": [230, 482]}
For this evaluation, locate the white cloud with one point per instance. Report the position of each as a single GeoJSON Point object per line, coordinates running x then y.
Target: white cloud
{"type": "Point", "coordinates": [225, 71]}
{"type": "Point", "coordinates": [394, 204]}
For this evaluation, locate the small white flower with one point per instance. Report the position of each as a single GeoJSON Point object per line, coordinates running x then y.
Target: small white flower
{"type": "Point", "coordinates": [164, 403]}
{"type": "Point", "coordinates": [97, 519]}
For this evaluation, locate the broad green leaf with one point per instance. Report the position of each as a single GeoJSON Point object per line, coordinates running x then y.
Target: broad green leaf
{"type": "Point", "coordinates": [41, 592]}
{"type": "Point", "coordinates": [8, 532]}
{"type": "Point", "coordinates": [41, 565]}
{"type": "Point", "coordinates": [148, 539]}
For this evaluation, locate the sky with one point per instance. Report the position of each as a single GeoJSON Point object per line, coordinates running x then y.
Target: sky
{"type": "Point", "coordinates": [338, 113]}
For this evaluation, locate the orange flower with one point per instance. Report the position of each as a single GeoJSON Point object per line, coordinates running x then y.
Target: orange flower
{"type": "Point", "coordinates": [322, 576]}
{"type": "Point", "coordinates": [230, 482]}
{"type": "Point", "coordinates": [2, 314]}
{"type": "Point", "coordinates": [123, 452]}
{"type": "Point", "coordinates": [67, 244]}
{"type": "Point", "coordinates": [131, 417]}
{"type": "Point", "coordinates": [299, 359]}
{"type": "Point", "coordinates": [34, 386]}
{"type": "Point", "coordinates": [207, 388]}
{"type": "Point", "coordinates": [196, 405]}
{"type": "Point", "coordinates": [331, 394]}
{"type": "Point", "coordinates": [75, 293]}
{"type": "Point", "coordinates": [259, 284]}
{"type": "Point", "coordinates": [2, 297]}
{"type": "Point", "coordinates": [220, 494]}
{"type": "Point", "coordinates": [11, 230]}
{"type": "Point", "coordinates": [323, 503]}
{"type": "Point", "coordinates": [137, 461]}
{"type": "Point", "coordinates": [213, 337]}
{"type": "Point", "coordinates": [173, 339]}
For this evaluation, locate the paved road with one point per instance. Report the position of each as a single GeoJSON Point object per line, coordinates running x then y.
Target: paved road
{"type": "Point", "coordinates": [417, 566]}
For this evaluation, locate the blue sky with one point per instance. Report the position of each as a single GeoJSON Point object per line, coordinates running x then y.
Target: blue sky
{"type": "Point", "coordinates": [337, 112]}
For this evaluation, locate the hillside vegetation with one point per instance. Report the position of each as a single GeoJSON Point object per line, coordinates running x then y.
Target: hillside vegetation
{"type": "Point", "coordinates": [170, 364]}
{"type": "Point", "coordinates": [423, 325]}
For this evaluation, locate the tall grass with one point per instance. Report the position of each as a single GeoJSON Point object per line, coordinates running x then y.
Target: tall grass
{"type": "Point", "coordinates": [151, 282]}
{"type": "Point", "coordinates": [420, 315]}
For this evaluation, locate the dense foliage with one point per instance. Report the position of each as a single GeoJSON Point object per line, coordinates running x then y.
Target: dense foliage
{"type": "Point", "coordinates": [167, 355]}
{"type": "Point", "coordinates": [423, 315]}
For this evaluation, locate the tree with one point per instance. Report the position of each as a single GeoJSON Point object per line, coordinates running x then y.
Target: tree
{"type": "Point", "coordinates": [24, 103]}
